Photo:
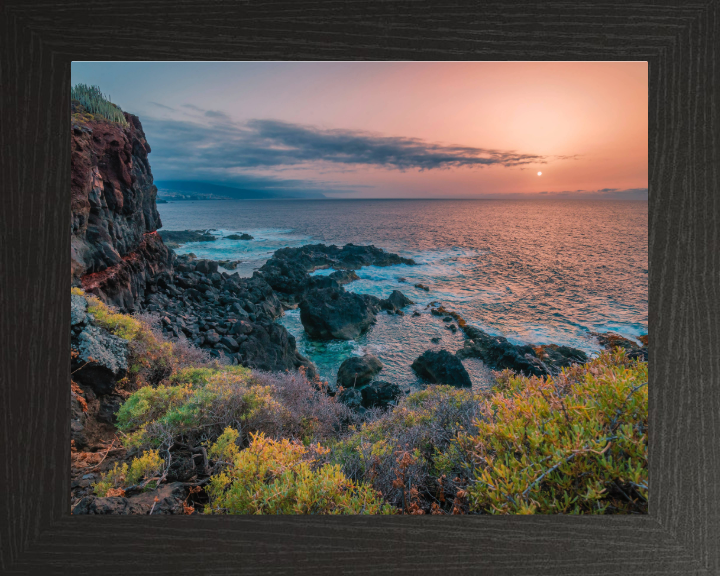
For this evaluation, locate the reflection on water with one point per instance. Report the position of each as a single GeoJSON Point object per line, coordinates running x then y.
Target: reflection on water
{"type": "Point", "coordinates": [532, 271]}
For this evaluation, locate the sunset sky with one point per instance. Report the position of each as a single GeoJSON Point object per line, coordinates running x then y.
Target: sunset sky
{"type": "Point", "coordinates": [392, 130]}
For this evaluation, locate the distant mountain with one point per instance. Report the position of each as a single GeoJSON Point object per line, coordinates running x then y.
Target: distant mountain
{"type": "Point", "coordinates": [191, 190]}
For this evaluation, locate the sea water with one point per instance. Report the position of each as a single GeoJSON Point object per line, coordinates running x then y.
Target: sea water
{"type": "Point", "coordinates": [539, 272]}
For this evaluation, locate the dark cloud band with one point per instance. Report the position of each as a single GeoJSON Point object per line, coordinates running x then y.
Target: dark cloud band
{"type": "Point", "coordinates": [270, 143]}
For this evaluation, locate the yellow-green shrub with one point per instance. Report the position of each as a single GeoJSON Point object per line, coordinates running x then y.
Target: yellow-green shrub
{"type": "Point", "coordinates": [576, 443]}
{"type": "Point", "coordinates": [121, 325]}
{"type": "Point", "coordinates": [147, 466]}
{"type": "Point", "coordinates": [272, 477]}
{"type": "Point", "coordinates": [154, 417]}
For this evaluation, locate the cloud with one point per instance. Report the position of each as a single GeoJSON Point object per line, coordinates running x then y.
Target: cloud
{"type": "Point", "coordinates": [262, 144]}
{"type": "Point", "coordinates": [162, 106]}
{"type": "Point", "coordinates": [217, 114]}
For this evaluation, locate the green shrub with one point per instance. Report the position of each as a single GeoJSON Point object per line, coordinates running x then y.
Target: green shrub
{"type": "Point", "coordinates": [147, 466]}
{"type": "Point", "coordinates": [572, 444]}
{"type": "Point", "coordinates": [95, 102]}
{"type": "Point", "coordinates": [204, 401]}
{"type": "Point", "coordinates": [272, 477]}
{"type": "Point", "coordinates": [155, 417]}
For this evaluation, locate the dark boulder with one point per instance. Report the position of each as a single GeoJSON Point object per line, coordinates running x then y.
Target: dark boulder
{"type": "Point", "coordinates": [396, 301]}
{"type": "Point", "coordinates": [380, 394]}
{"type": "Point", "coordinates": [333, 313]}
{"type": "Point", "coordinates": [239, 237]}
{"type": "Point", "coordinates": [241, 327]}
{"type": "Point", "coordinates": [357, 371]}
{"type": "Point", "coordinates": [351, 397]}
{"type": "Point", "coordinates": [271, 347]}
{"type": "Point", "coordinates": [441, 367]}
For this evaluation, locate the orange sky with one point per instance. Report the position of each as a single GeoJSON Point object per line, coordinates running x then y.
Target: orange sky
{"type": "Point", "coordinates": [594, 112]}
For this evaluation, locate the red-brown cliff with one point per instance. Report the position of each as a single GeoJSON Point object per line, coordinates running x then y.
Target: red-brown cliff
{"type": "Point", "coordinates": [115, 251]}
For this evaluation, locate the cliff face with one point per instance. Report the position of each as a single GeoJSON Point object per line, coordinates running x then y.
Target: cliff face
{"type": "Point", "coordinates": [115, 250]}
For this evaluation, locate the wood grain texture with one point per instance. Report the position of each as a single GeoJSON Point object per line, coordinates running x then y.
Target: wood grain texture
{"type": "Point", "coordinates": [681, 42]}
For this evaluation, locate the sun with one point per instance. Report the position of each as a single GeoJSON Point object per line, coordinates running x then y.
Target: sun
{"type": "Point", "coordinates": [539, 173]}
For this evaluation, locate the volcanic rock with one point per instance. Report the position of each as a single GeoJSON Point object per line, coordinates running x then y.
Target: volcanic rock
{"type": "Point", "coordinates": [357, 371]}
{"type": "Point", "coordinates": [441, 367]}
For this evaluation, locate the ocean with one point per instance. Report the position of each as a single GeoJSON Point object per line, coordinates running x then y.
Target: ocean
{"type": "Point", "coordinates": [534, 271]}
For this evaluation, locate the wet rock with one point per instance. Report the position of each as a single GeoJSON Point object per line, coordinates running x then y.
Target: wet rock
{"type": "Point", "coordinates": [287, 271]}
{"type": "Point", "coordinates": [422, 287]}
{"type": "Point", "coordinates": [333, 313]}
{"type": "Point", "coordinates": [239, 237]}
{"type": "Point", "coordinates": [441, 367]}
{"type": "Point", "coordinates": [344, 276]}
{"type": "Point", "coordinates": [357, 371]}
{"type": "Point", "coordinates": [396, 301]}
{"type": "Point", "coordinates": [497, 353]}
{"type": "Point", "coordinates": [176, 238]}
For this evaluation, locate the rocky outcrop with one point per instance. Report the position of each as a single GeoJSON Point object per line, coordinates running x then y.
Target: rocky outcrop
{"type": "Point", "coordinates": [113, 209]}
{"type": "Point", "coordinates": [357, 371]}
{"type": "Point", "coordinates": [499, 354]}
{"type": "Point", "coordinates": [288, 270]}
{"type": "Point", "coordinates": [441, 367]}
{"type": "Point", "coordinates": [232, 317]}
{"type": "Point", "coordinates": [176, 238]}
{"type": "Point", "coordinates": [125, 284]}
{"type": "Point", "coordinates": [610, 341]}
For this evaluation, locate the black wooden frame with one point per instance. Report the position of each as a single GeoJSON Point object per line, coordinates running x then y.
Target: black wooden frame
{"type": "Point", "coordinates": [680, 41]}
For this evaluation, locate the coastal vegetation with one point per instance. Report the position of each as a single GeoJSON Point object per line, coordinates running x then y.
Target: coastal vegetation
{"type": "Point", "coordinates": [188, 396]}
{"type": "Point", "coordinates": [97, 104]}
{"type": "Point", "coordinates": [279, 443]}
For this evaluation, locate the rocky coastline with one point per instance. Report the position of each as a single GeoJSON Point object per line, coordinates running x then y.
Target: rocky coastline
{"type": "Point", "coordinates": [120, 257]}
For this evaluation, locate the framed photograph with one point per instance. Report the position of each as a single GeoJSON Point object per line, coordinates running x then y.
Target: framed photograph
{"type": "Point", "coordinates": [331, 269]}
